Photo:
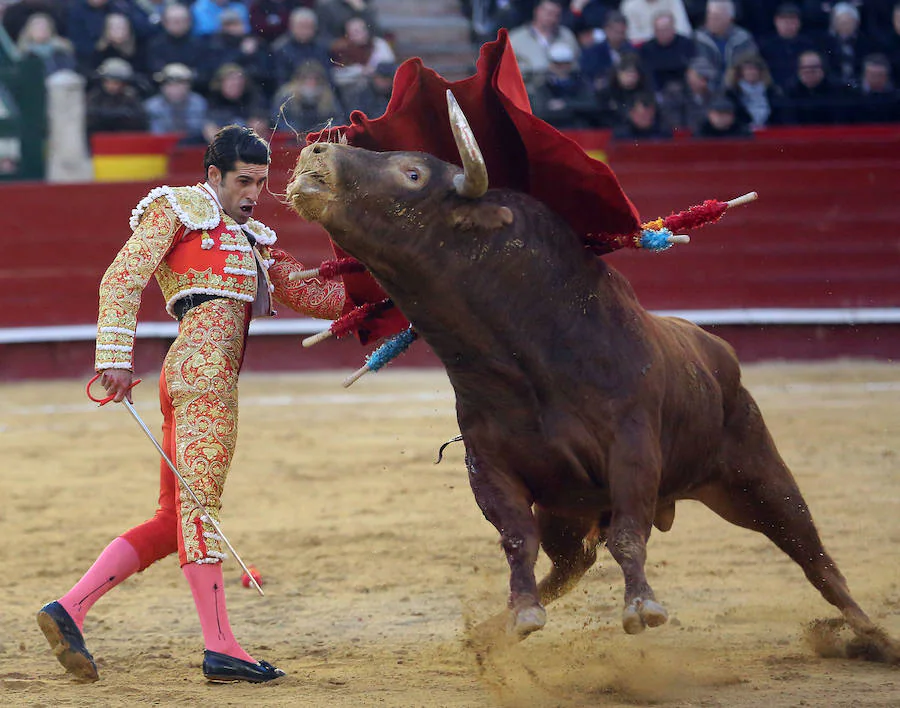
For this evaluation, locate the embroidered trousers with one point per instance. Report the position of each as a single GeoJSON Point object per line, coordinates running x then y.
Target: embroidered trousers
{"type": "Point", "coordinates": [199, 402]}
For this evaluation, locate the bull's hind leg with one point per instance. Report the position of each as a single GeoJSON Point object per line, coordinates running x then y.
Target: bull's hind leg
{"type": "Point", "coordinates": [757, 491]}
{"type": "Point", "coordinates": [506, 503]}
{"type": "Point", "coordinates": [634, 474]}
{"type": "Point", "coordinates": [571, 545]}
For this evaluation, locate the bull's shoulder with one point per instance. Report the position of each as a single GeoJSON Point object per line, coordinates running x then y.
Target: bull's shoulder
{"type": "Point", "coordinates": [192, 206]}
{"type": "Point", "coordinates": [264, 235]}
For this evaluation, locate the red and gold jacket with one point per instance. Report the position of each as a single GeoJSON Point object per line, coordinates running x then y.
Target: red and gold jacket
{"type": "Point", "coordinates": [181, 235]}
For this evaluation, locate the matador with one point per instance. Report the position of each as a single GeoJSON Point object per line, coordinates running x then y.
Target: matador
{"type": "Point", "coordinates": [217, 268]}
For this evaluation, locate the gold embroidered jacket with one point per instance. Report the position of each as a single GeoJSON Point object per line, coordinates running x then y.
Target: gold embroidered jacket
{"type": "Point", "coordinates": [181, 235]}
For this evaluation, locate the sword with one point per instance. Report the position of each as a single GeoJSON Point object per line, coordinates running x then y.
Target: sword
{"type": "Point", "coordinates": [165, 457]}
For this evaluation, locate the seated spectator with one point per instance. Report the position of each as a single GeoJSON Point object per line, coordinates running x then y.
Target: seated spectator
{"type": "Point", "coordinates": [880, 99]}
{"type": "Point", "coordinates": [114, 105]}
{"type": "Point", "coordinates": [15, 13]}
{"type": "Point", "coordinates": [300, 44]}
{"type": "Point", "coordinates": [333, 16]}
{"type": "Point", "coordinates": [666, 56]}
{"type": "Point", "coordinates": [177, 109]}
{"type": "Point", "coordinates": [720, 40]}
{"type": "Point", "coordinates": [640, 15]}
{"type": "Point", "coordinates": [355, 56]}
{"type": "Point", "coordinates": [374, 100]}
{"type": "Point", "coordinates": [845, 45]}
{"type": "Point", "coordinates": [232, 45]}
{"type": "Point", "coordinates": [813, 98]}
{"type": "Point", "coordinates": [307, 102]}
{"type": "Point", "coordinates": [685, 107]}
{"type": "Point", "coordinates": [269, 18]}
{"type": "Point", "coordinates": [580, 14]}
{"type": "Point", "coordinates": [118, 40]}
{"type": "Point", "coordinates": [641, 121]}
{"type": "Point", "coordinates": [86, 21]}
{"type": "Point", "coordinates": [750, 87]}
{"type": "Point", "coordinates": [233, 98]}
{"type": "Point", "coordinates": [721, 121]}
{"type": "Point", "coordinates": [488, 16]}
{"type": "Point", "coordinates": [39, 37]}
{"type": "Point", "coordinates": [597, 60]}
{"type": "Point", "coordinates": [564, 99]}
{"type": "Point", "coordinates": [531, 42]}
{"type": "Point", "coordinates": [208, 15]}
{"type": "Point", "coordinates": [625, 82]}
{"type": "Point", "coordinates": [176, 45]}
{"type": "Point", "coordinates": [152, 10]}
{"type": "Point", "coordinates": [782, 49]}
{"type": "Point", "coordinates": [890, 41]}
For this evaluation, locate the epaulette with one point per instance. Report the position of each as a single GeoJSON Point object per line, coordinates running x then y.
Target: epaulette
{"type": "Point", "coordinates": [192, 205]}
{"type": "Point", "coordinates": [263, 234]}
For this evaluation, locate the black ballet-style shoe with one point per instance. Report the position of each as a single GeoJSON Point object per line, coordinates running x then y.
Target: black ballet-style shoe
{"type": "Point", "coordinates": [67, 642]}
{"type": "Point", "coordinates": [221, 668]}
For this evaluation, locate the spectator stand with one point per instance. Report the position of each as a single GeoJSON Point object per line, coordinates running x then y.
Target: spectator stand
{"type": "Point", "coordinates": [23, 112]}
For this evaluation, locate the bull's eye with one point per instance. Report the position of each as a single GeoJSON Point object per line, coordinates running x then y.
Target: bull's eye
{"type": "Point", "coordinates": [413, 175]}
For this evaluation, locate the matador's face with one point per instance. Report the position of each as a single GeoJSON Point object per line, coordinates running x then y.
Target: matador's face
{"type": "Point", "coordinates": [239, 189]}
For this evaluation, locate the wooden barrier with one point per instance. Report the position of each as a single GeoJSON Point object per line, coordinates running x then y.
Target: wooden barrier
{"type": "Point", "coordinates": [823, 235]}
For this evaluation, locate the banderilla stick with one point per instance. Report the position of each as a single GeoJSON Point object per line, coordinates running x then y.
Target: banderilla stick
{"type": "Point", "coordinates": [200, 506]}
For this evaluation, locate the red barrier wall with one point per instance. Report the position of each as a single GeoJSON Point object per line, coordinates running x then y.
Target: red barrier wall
{"type": "Point", "coordinates": [822, 235]}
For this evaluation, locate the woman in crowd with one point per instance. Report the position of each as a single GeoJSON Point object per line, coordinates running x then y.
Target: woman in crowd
{"type": "Point", "coordinates": [749, 85]}
{"type": "Point", "coordinates": [307, 102]}
{"type": "Point", "coordinates": [39, 37]}
{"type": "Point", "coordinates": [354, 57]}
{"type": "Point", "coordinates": [234, 99]}
{"type": "Point", "coordinates": [626, 81]}
{"type": "Point", "coordinates": [118, 41]}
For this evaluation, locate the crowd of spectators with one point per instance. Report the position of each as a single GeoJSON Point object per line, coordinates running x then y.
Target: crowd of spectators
{"type": "Point", "coordinates": [168, 66]}
{"type": "Point", "coordinates": [709, 68]}
{"type": "Point", "coordinates": [642, 68]}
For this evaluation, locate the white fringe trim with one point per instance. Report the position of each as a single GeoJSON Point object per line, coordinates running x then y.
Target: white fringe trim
{"type": "Point", "coordinates": [216, 555]}
{"type": "Point", "coordinates": [206, 291]}
{"type": "Point", "coordinates": [113, 348]}
{"type": "Point", "coordinates": [235, 247]}
{"type": "Point", "coordinates": [117, 365]}
{"type": "Point", "coordinates": [234, 227]}
{"type": "Point", "coordinates": [238, 271]}
{"type": "Point", "coordinates": [213, 536]}
{"type": "Point", "coordinates": [117, 330]}
{"type": "Point", "coordinates": [171, 197]}
{"type": "Point", "coordinates": [201, 561]}
{"type": "Point", "coordinates": [262, 233]}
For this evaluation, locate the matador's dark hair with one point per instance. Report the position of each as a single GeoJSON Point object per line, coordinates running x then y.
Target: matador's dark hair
{"type": "Point", "coordinates": [233, 144]}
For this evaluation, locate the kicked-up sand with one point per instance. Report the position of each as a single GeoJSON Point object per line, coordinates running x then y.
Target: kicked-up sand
{"type": "Point", "coordinates": [376, 561]}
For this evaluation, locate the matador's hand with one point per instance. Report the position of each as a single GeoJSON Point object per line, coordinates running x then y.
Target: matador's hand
{"type": "Point", "coordinates": [117, 383]}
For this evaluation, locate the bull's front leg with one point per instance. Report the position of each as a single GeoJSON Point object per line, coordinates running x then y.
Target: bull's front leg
{"type": "Point", "coordinates": [634, 476]}
{"type": "Point", "coordinates": [506, 503]}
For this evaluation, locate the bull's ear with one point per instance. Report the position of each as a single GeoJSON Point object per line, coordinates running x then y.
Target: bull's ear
{"type": "Point", "coordinates": [480, 216]}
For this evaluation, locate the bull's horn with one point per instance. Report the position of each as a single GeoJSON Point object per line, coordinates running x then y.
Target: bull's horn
{"type": "Point", "coordinates": [473, 182]}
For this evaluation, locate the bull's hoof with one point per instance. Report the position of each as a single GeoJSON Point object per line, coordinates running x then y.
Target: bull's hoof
{"type": "Point", "coordinates": [527, 620]}
{"type": "Point", "coordinates": [640, 614]}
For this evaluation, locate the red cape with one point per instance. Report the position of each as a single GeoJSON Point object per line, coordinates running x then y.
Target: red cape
{"type": "Point", "coordinates": [521, 152]}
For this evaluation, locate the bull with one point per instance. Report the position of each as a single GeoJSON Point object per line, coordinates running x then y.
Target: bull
{"type": "Point", "coordinates": [585, 418]}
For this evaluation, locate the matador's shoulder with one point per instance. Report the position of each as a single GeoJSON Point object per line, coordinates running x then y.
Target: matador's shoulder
{"type": "Point", "coordinates": [263, 234]}
{"type": "Point", "coordinates": [191, 205]}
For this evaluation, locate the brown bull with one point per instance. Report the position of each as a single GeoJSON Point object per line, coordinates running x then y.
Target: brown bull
{"type": "Point", "coordinates": [585, 418]}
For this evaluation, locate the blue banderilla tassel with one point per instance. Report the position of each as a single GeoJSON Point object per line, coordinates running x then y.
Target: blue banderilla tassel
{"type": "Point", "coordinates": [391, 349]}
{"type": "Point", "coordinates": [656, 240]}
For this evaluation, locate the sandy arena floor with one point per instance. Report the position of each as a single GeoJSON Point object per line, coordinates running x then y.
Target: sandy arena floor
{"type": "Point", "coordinates": [375, 560]}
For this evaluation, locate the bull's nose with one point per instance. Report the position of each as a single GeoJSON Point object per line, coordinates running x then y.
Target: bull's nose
{"type": "Point", "coordinates": [319, 148]}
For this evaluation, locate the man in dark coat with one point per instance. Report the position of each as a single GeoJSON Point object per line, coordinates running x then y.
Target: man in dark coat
{"type": "Point", "coordinates": [814, 98]}
{"type": "Point", "coordinates": [782, 48]}
{"type": "Point", "coordinates": [300, 44]}
{"type": "Point", "coordinates": [176, 45]}
{"type": "Point", "coordinates": [667, 55]}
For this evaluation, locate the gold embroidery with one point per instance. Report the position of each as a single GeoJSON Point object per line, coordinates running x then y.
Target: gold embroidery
{"type": "Point", "coordinates": [201, 372]}
{"type": "Point", "coordinates": [314, 297]}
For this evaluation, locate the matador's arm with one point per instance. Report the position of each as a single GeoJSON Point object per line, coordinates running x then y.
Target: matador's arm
{"type": "Point", "coordinates": [313, 297]}
{"type": "Point", "coordinates": [125, 280]}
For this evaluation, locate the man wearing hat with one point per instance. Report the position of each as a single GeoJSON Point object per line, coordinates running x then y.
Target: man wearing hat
{"type": "Point", "coordinates": [782, 48]}
{"type": "Point", "coordinates": [176, 109]}
{"type": "Point", "coordinates": [721, 121]}
{"type": "Point", "coordinates": [114, 104]}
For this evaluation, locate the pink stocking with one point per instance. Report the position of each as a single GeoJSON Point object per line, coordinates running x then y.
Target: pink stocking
{"type": "Point", "coordinates": [117, 561]}
{"type": "Point", "coordinates": [208, 589]}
